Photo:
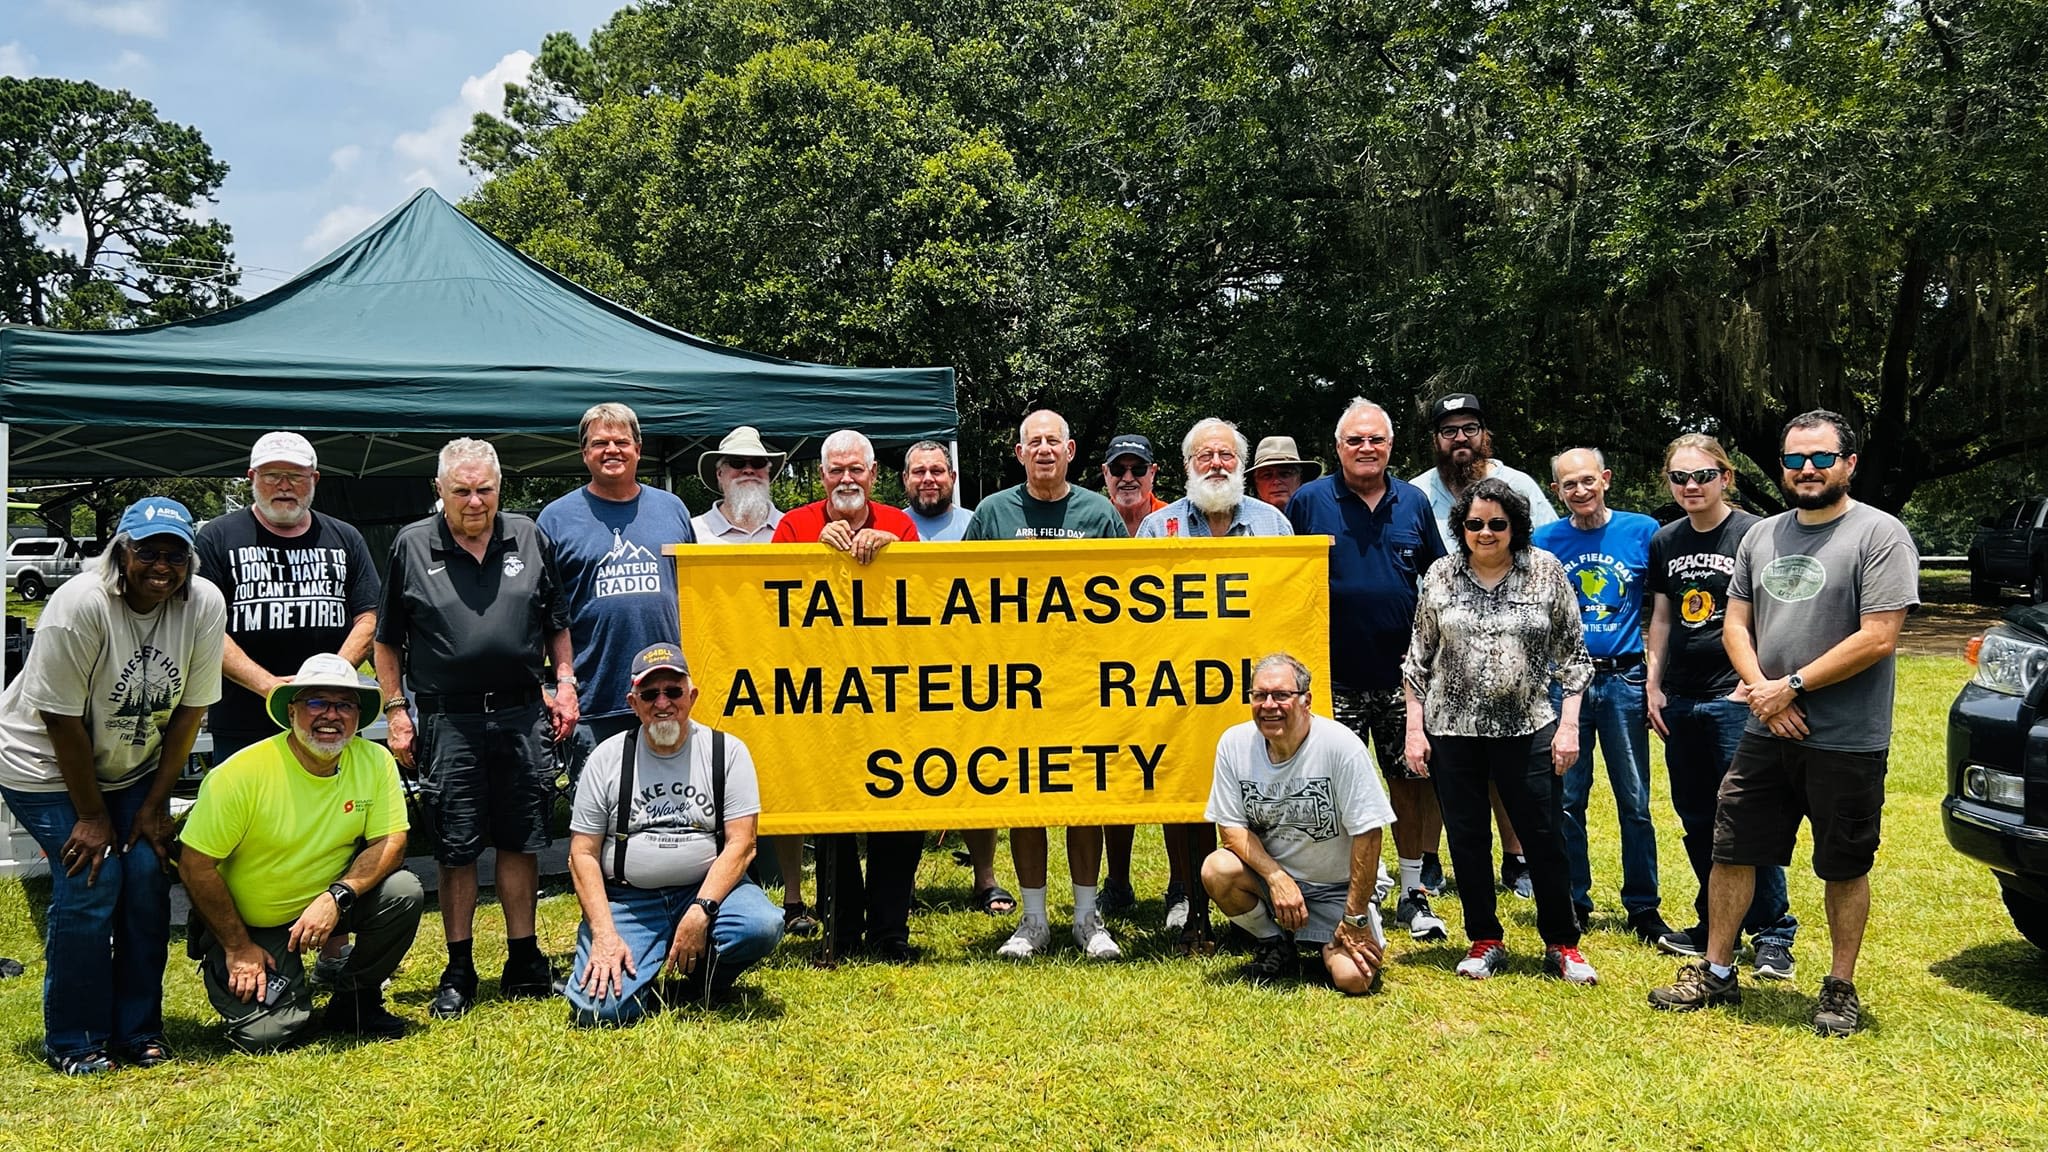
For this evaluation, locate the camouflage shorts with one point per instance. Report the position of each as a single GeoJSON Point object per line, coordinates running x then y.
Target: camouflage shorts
{"type": "Point", "coordinates": [1381, 720]}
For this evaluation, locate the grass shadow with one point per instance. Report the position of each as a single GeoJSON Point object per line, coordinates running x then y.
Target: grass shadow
{"type": "Point", "coordinates": [2012, 972]}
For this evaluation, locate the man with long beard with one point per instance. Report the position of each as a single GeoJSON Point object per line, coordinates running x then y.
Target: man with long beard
{"type": "Point", "coordinates": [1216, 505]}
{"type": "Point", "coordinates": [745, 512]}
{"type": "Point", "coordinates": [1464, 456]}
{"type": "Point", "coordinates": [875, 916]}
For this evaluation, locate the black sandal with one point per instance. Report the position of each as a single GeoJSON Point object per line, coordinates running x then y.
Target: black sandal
{"type": "Point", "coordinates": [146, 1053]}
{"type": "Point", "coordinates": [798, 921]}
{"type": "Point", "coordinates": [91, 1063]}
{"type": "Point", "coordinates": [995, 900]}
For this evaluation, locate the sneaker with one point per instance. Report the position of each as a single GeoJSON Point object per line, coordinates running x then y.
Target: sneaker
{"type": "Point", "coordinates": [1413, 913]}
{"type": "Point", "coordinates": [1116, 899]}
{"type": "Point", "coordinates": [1093, 937]}
{"type": "Point", "coordinates": [1648, 926]}
{"type": "Point", "coordinates": [1176, 908]}
{"type": "Point", "coordinates": [1433, 880]}
{"type": "Point", "coordinates": [1525, 888]}
{"type": "Point", "coordinates": [1485, 958]}
{"type": "Point", "coordinates": [354, 1014]}
{"type": "Point", "coordinates": [1697, 987]}
{"type": "Point", "coordinates": [1272, 958]}
{"type": "Point", "coordinates": [327, 969]}
{"type": "Point", "coordinates": [1840, 1012]}
{"type": "Point", "coordinates": [1382, 886]}
{"type": "Point", "coordinates": [1683, 942]}
{"type": "Point", "coordinates": [1032, 938]}
{"type": "Point", "coordinates": [1567, 964]}
{"type": "Point", "coordinates": [1773, 960]}
{"type": "Point", "coordinates": [1514, 876]}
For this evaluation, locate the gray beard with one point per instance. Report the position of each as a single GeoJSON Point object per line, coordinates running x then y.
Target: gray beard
{"type": "Point", "coordinates": [847, 505]}
{"type": "Point", "coordinates": [747, 504]}
{"type": "Point", "coordinates": [324, 749]}
{"type": "Point", "coordinates": [273, 518]}
{"type": "Point", "coordinates": [664, 733]}
{"type": "Point", "coordinates": [1214, 496]}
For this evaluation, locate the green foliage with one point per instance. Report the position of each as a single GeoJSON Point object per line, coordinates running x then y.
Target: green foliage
{"type": "Point", "coordinates": [80, 156]}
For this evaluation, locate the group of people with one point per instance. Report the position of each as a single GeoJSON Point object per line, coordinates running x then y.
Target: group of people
{"type": "Point", "coordinates": [1480, 649]}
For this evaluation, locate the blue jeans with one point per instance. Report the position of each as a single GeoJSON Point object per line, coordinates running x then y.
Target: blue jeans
{"type": "Point", "coordinates": [1614, 715]}
{"type": "Point", "coordinates": [748, 927]}
{"type": "Point", "coordinates": [1704, 733]}
{"type": "Point", "coordinates": [104, 946]}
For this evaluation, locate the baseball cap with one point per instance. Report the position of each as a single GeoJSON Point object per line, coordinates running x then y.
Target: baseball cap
{"type": "Point", "coordinates": [656, 657]}
{"type": "Point", "coordinates": [283, 448]}
{"type": "Point", "coordinates": [1129, 444]}
{"type": "Point", "coordinates": [156, 516]}
{"type": "Point", "coordinates": [1456, 404]}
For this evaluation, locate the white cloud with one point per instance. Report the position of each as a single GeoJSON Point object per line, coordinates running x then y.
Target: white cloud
{"type": "Point", "coordinates": [345, 157]}
{"type": "Point", "coordinates": [121, 17]}
{"type": "Point", "coordinates": [130, 62]}
{"type": "Point", "coordinates": [435, 152]}
{"type": "Point", "coordinates": [337, 226]}
{"type": "Point", "coordinates": [16, 60]}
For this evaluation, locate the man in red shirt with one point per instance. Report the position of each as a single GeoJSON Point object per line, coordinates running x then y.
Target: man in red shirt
{"type": "Point", "coordinates": [846, 519]}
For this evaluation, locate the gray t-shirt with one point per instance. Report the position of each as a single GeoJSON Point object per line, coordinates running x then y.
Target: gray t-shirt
{"type": "Point", "coordinates": [948, 525]}
{"type": "Point", "coordinates": [670, 839]}
{"type": "Point", "coordinates": [1808, 588]}
{"type": "Point", "coordinates": [1306, 810]}
{"type": "Point", "coordinates": [1441, 500]}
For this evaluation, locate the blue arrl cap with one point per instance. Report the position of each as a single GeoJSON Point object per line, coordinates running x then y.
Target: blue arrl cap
{"type": "Point", "coordinates": [156, 516]}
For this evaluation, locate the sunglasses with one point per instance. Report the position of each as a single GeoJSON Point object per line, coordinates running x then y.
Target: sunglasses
{"type": "Point", "coordinates": [747, 463]}
{"type": "Point", "coordinates": [341, 704]}
{"type": "Point", "coordinates": [1461, 431]}
{"type": "Point", "coordinates": [1700, 476]}
{"type": "Point", "coordinates": [175, 557]}
{"type": "Point", "coordinates": [665, 692]}
{"type": "Point", "coordinates": [1796, 461]}
{"type": "Point", "coordinates": [1497, 524]}
{"type": "Point", "coordinates": [1362, 441]}
{"type": "Point", "coordinates": [1121, 470]}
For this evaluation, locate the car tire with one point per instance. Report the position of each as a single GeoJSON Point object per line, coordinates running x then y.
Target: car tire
{"type": "Point", "coordinates": [1983, 591]}
{"type": "Point", "coordinates": [29, 586]}
{"type": "Point", "coordinates": [2029, 915]}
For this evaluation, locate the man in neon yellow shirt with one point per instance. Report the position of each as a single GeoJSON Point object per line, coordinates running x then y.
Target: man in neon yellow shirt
{"type": "Point", "coordinates": [272, 866]}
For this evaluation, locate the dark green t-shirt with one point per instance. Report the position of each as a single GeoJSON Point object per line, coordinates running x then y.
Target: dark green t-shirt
{"type": "Point", "coordinates": [1014, 514]}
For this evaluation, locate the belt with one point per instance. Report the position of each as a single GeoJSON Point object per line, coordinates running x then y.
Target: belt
{"type": "Point", "coordinates": [1616, 663]}
{"type": "Point", "coordinates": [465, 703]}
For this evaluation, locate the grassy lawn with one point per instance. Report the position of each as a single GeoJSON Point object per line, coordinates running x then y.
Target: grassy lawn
{"type": "Point", "coordinates": [966, 1051]}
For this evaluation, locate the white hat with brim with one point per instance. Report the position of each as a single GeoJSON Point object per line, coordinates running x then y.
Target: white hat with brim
{"type": "Point", "coordinates": [743, 441]}
{"type": "Point", "coordinates": [1279, 451]}
{"type": "Point", "coordinates": [325, 670]}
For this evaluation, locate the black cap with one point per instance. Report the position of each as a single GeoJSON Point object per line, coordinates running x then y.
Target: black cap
{"type": "Point", "coordinates": [1129, 444]}
{"type": "Point", "coordinates": [1456, 404]}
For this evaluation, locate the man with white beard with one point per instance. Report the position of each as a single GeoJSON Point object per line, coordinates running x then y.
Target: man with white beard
{"type": "Point", "coordinates": [1214, 452]}
{"type": "Point", "coordinates": [745, 512]}
{"type": "Point", "coordinates": [846, 520]}
{"type": "Point", "coordinates": [272, 863]}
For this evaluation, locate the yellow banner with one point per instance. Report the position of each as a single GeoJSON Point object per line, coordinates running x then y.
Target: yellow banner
{"type": "Point", "coordinates": [993, 685]}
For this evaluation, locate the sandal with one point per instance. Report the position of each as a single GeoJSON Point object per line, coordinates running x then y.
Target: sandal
{"type": "Point", "coordinates": [147, 1053]}
{"type": "Point", "coordinates": [995, 900]}
{"type": "Point", "coordinates": [91, 1063]}
{"type": "Point", "coordinates": [1196, 941]}
{"type": "Point", "coordinates": [798, 921]}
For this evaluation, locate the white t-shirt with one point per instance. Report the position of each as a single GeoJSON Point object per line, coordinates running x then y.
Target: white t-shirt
{"type": "Point", "coordinates": [1441, 501]}
{"type": "Point", "coordinates": [670, 837]}
{"type": "Point", "coordinates": [123, 671]}
{"type": "Point", "coordinates": [1305, 810]}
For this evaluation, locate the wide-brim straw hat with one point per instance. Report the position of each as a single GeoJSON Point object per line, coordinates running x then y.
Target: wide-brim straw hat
{"type": "Point", "coordinates": [741, 441]}
{"type": "Point", "coordinates": [1275, 451]}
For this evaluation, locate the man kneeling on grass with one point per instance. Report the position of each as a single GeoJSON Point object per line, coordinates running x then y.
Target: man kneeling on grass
{"type": "Point", "coordinates": [659, 843]}
{"type": "Point", "coordinates": [1300, 809]}
{"type": "Point", "coordinates": [272, 864]}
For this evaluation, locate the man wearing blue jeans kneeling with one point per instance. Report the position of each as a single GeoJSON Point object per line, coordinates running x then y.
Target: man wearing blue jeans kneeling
{"type": "Point", "coordinates": [659, 842]}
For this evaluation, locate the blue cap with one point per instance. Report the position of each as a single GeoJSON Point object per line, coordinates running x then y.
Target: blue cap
{"type": "Point", "coordinates": [156, 516]}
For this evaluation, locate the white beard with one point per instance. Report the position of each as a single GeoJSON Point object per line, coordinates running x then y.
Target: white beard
{"type": "Point", "coordinates": [847, 503]}
{"type": "Point", "coordinates": [664, 733]}
{"type": "Point", "coordinates": [747, 503]}
{"type": "Point", "coordinates": [282, 518]}
{"type": "Point", "coordinates": [1215, 495]}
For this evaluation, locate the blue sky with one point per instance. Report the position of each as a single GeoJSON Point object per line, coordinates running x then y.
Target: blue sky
{"type": "Point", "coordinates": [328, 112]}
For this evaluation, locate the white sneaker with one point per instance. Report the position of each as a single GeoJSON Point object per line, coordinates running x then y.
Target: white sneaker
{"type": "Point", "coordinates": [1031, 938]}
{"type": "Point", "coordinates": [1485, 958]}
{"type": "Point", "coordinates": [1177, 914]}
{"type": "Point", "coordinates": [1093, 937]}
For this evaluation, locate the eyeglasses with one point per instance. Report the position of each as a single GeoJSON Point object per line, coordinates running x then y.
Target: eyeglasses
{"type": "Point", "coordinates": [1362, 441]}
{"type": "Point", "coordinates": [345, 705]}
{"type": "Point", "coordinates": [285, 479]}
{"type": "Point", "coordinates": [1497, 524]}
{"type": "Point", "coordinates": [1274, 696]}
{"type": "Point", "coordinates": [1209, 455]}
{"type": "Point", "coordinates": [1461, 431]}
{"type": "Point", "coordinates": [747, 463]}
{"type": "Point", "coordinates": [175, 557]}
{"type": "Point", "coordinates": [1578, 483]}
{"type": "Point", "coordinates": [1701, 476]}
{"type": "Point", "coordinates": [1796, 461]}
{"type": "Point", "coordinates": [1121, 470]}
{"type": "Point", "coordinates": [665, 692]}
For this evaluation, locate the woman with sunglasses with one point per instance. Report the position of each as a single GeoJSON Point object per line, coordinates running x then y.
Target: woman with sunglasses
{"type": "Point", "coordinates": [93, 734]}
{"type": "Point", "coordinates": [1495, 622]}
{"type": "Point", "coordinates": [1689, 679]}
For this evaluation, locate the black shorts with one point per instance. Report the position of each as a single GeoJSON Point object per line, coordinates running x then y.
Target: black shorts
{"type": "Point", "coordinates": [486, 781]}
{"type": "Point", "coordinates": [1774, 783]}
{"type": "Point", "coordinates": [1381, 720]}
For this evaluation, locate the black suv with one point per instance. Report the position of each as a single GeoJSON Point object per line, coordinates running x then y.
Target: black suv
{"type": "Point", "coordinates": [1996, 811]}
{"type": "Point", "coordinates": [2011, 551]}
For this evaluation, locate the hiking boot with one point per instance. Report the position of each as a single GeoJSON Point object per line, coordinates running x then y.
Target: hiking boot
{"type": "Point", "coordinates": [1683, 942]}
{"type": "Point", "coordinates": [361, 1014]}
{"type": "Point", "coordinates": [1115, 899]}
{"type": "Point", "coordinates": [1093, 937]}
{"type": "Point", "coordinates": [1567, 964]}
{"type": "Point", "coordinates": [1840, 1012]}
{"type": "Point", "coordinates": [1485, 958]}
{"type": "Point", "coordinates": [1697, 987]}
{"type": "Point", "coordinates": [1272, 958]}
{"type": "Point", "coordinates": [1413, 913]}
{"type": "Point", "coordinates": [1773, 960]}
{"type": "Point", "coordinates": [1176, 908]}
{"type": "Point", "coordinates": [1648, 926]}
{"type": "Point", "coordinates": [1433, 880]}
{"type": "Point", "coordinates": [1032, 938]}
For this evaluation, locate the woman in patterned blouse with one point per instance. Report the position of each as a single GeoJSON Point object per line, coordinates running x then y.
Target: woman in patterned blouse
{"type": "Point", "coordinates": [1494, 625]}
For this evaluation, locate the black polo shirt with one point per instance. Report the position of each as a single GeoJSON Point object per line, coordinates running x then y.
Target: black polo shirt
{"type": "Point", "coordinates": [468, 626]}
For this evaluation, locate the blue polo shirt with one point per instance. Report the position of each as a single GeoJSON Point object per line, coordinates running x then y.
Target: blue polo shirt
{"type": "Point", "coordinates": [1608, 569]}
{"type": "Point", "coordinates": [1378, 556]}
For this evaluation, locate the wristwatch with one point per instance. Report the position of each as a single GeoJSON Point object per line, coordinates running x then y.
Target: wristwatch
{"type": "Point", "coordinates": [571, 681]}
{"type": "Point", "coordinates": [709, 906]}
{"type": "Point", "coordinates": [1798, 684]}
{"type": "Point", "coordinates": [1362, 920]}
{"type": "Point", "coordinates": [344, 896]}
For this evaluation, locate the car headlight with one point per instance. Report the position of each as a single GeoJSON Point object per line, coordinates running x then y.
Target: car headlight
{"type": "Point", "coordinates": [2010, 663]}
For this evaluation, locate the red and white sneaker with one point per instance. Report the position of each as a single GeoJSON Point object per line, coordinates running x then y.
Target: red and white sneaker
{"type": "Point", "coordinates": [1486, 958]}
{"type": "Point", "coordinates": [1565, 963]}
